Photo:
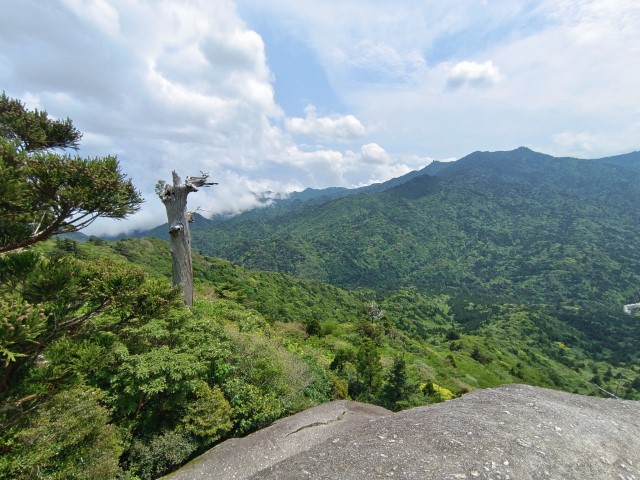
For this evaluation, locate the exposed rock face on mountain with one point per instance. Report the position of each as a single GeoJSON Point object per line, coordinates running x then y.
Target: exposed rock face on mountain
{"type": "Point", "coordinates": [510, 432]}
{"type": "Point", "coordinates": [244, 457]}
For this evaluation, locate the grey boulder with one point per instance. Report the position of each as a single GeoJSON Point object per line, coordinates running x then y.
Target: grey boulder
{"type": "Point", "coordinates": [509, 432]}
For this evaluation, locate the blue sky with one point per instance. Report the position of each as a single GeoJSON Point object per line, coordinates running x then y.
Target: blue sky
{"type": "Point", "coordinates": [279, 95]}
{"type": "Point", "coordinates": [299, 79]}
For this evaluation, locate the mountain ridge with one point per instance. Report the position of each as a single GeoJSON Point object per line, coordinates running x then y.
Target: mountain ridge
{"type": "Point", "coordinates": [312, 196]}
{"type": "Point", "coordinates": [508, 227]}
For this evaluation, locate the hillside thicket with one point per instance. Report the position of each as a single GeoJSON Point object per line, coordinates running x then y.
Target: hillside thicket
{"type": "Point", "coordinates": [158, 383]}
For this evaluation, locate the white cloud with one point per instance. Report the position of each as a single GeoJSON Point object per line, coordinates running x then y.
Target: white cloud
{"type": "Point", "coordinates": [186, 85]}
{"type": "Point", "coordinates": [332, 127]}
{"type": "Point", "coordinates": [473, 74]}
{"type": "Point", "coordinates": [371, 164]}
{"type": "Point", "coordinates": [380, 166]}
{"type": "Point", "coordinates": [575, 141]}
{"type": "Point", "coordinates": [171, 85]}
{"type": "Point", "coordinates": [385, 172]}
{"type": "Point", "coordinates": [367, 44]}
{"type": "Point", "coordinates": [561, 66]}
{"type": "Point", "coordinates": [374, 153]}
{"type": "Point", "coordinates": [320, 167]}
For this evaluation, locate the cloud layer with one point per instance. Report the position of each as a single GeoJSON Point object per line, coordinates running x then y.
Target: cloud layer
{"type": "Point", "coordinates": [188, 85]}
{"type": "Point", "coordinates": [331, 128]}
{"type": "Point", "coordinates": [173, 85]}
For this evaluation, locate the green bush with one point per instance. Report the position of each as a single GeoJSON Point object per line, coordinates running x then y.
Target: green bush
{"type": "Point", "coordinates": [158, 455]}
{"type": "Point", "coordinates": [68, 436]}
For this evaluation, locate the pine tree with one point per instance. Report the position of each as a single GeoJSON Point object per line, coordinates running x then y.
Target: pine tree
{"type": "Point", "coordinates": [43, 193]}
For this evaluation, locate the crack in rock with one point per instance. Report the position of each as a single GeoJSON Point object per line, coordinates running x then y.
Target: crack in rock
{"type": "Point", "coordinates": [318, 424]}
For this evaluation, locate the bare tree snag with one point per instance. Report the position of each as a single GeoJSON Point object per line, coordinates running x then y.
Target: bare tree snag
{"type": "Point", "coordinates": [174, 198]}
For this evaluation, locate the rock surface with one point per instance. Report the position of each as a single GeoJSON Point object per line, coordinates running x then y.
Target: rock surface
{"type": "Point", "coordinates": [509, 432]}
{"type": "Point", "coordinates": [242, 457]}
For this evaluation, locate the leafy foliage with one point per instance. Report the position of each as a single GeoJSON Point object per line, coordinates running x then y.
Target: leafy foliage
{"type": "Point", "coordinates": [176, 381]}
{"type": "Point", "coordinates": [45, 193]}
{"type": "Point", "coordinates": [397, 387]}
{"type": "Point", "coordinates": [68, 437]}
{"type": "Point", "coordinates": [492, 228]}
{"type": "Point", "coordinates": [34, 131]}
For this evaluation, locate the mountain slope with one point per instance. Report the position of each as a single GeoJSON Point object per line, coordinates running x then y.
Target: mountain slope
{"type": "Point", "coordinates": [451, 342]}
{"type": "Point", "coordinates": [155, 382]}
{"type": "Point", "coordinates": [494, 227]}
{"type": "Point", "coordinates": [164, 383]}
{"type": "Point", "coordinates": [514, 224]}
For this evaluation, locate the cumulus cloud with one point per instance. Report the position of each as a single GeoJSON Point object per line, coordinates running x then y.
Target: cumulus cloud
{"type": "Point", "coordinates": [385, 172]}
{"type": "Point", "coordinates": [374, 153]}
{"type": "Point", "coordinates": [473, 74]}
{"type": "Point", "coordinates": [172, 85]}
{"type": "Point", "coordinates": [332, 127]}
{"type": "Point", "coordinates": [187, 85]}
{"type": "Point", "coordinates": [323, 167]}
{"type": "Point", "coordinates": [382, 166]}
{"type": "Point", "coordinates": [371, 163]}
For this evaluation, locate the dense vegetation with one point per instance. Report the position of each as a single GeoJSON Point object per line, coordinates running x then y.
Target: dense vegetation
{"type": "Point", "coordinates": [106, 374]}
{"type": "Point", "coordinates": [498, 227]}
{"type": "Point", "coordinates": [558, 234]}
{"type": "Point", "coordinates": [147, 383]}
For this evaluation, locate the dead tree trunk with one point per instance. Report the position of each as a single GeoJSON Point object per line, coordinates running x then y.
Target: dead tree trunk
{"type": "Point", "coordinates": [174, 198]}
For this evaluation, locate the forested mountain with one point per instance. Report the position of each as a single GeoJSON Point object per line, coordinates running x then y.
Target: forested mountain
{"type": "Point", "coordinates": [519, 226]}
